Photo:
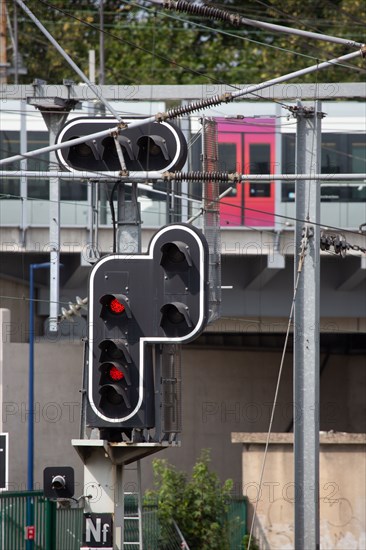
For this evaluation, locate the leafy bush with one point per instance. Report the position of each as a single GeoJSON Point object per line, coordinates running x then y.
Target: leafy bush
{"type": "Point", "coordinates": [253, 543]}
{"type": "Point", "coordinates": [198, 504]}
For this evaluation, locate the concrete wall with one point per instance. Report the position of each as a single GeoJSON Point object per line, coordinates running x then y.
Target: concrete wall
{"type": "Point", "coordinates": [342, 488]}
{"type": "Point", "coordinates": [224, 391]}
{"type": "Point", "coordinates": [57, 384]}
{"type": "Point", "coordinates": [15, 329]}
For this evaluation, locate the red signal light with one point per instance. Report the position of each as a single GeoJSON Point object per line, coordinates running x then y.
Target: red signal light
{"type": "Point", "coordinates": [116, 374]}
{"type": "Point", "coordinates": [116, 307]}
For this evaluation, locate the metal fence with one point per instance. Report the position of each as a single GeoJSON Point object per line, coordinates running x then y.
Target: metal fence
{"type": "Point", "coordinates": [167, 537]}
{"type": "Point", "coordinates": [54, 529]}
{"type": "Point", "coordinates": [237, 522]}
{"type": "Point", "coordinates": [69, 529]}
{"type": "Point", "coordinates": [61, 528]}
{"type": "Point", "coordinates": [17, 510]}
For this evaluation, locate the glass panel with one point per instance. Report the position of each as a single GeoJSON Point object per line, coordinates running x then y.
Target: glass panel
{"type": "Point", "coordinates": [358, 157]}
{"type": "Point", "coordinates": [227, 163]}
{"type": "Point", "coordinates": [38, 188]}
{"type": "Point", "coordinates": [343, 192]}
{"type": "Point", "coordinates": [73, 191]}
{"type": "Point", "coordinates": [259, 154]}
{"type": "Point", "coordinates": [288, 154]}
{"type": "Point", "coordinates": [227, 157]}
{"type": "Point", "coordinates": [36, 140]}
{"type": "Point", "coordinates": [341, 153]}
{"type": "Point", "coordinates": [333, 162]}
{"type": "Point", "coordinates": [288, 192]}
{"type": "Point", "coordinates": [9, 146]}
{"type": "Point", "coordinates": [260, 157]}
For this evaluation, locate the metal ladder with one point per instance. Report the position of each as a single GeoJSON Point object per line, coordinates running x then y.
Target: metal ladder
{"type": "Point", "coordinates": [132, 514]}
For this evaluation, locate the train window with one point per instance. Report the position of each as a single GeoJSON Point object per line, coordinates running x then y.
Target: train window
{"type": "Point", "coordinates": [259, 154]}
{"type": "Point", "coordinates": [288, 192]}
{"type": "Point", "coordinates": [38, 188]}
{"type": "Point", "coordinates": [260, 158]}
{"type": "Point", "coordinates": [73, 191]}
{"type": "Point", "coordinates": [332, 161]}
{"type": "Point", "coordinates": [343, 193]}
{"type": "Point", "coordinates": [288, 154]}
{"type": "Point", "coordinates": [9, 146]}
{"type": "Point", "coordinates": [9, 188]}
{"type": "Point", "coordinates": [261, 189]}
{"type": "Point", "coordinates": [227, 163]}
{"type": "Point", "coordinates": [227, 157]}
{"type": "Point", "coordinates": [358, 156]}
{"type": "Point", "coordinates": [36, 140]}
{"type": "Point", "coordinates": [341, 153]}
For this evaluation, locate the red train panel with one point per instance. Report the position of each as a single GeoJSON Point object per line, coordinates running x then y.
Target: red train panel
{"type": "Point", "coordinates": [248, 147]}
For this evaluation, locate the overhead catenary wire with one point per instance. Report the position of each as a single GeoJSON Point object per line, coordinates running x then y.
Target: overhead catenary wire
{"type": "Point", "coordinates": [198, 199]}
{"type": "Point", "coordinates": [178, 176]}
{"type": "Point", "coordinates": [176, 112]}
{"type": "Point", "coordinates": [61, 51]}
{"type": "Point", "coordinates": [227, 97]}
{"type": "Point", "coordinates": [174, 62]}
{"type": "Point", "coordinates": [200, 25]}
{"type": "Point", "coordinates": [236, 19]}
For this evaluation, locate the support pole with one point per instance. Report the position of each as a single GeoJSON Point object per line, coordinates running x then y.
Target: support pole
{"type": "Point", "coordinates": [23, 178]}
{"type": "Point", "coordinates": [105, 477]}
{"type": "Point", "coordinates": [30, 457]}
{"type": "Point", "coordinates": [55, 195]}
{"type": "Point", "coordinates": [129, 221]}
{"type": "Point", "coordinates": [3, 49]}
{"type": "Point", "coordinates": [54, 122]}
{"type": "Point", "coordinates": [306, 331]}
{"type": "Point", "coordinates": [67, 58]}
{"type": "Point", "coordinates": [128, 241]}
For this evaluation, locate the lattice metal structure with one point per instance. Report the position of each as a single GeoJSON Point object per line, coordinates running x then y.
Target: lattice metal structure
{"type": "Point", "coordinates": [171, 389]}
{"type": "Point", "coordinates": [211, 213]}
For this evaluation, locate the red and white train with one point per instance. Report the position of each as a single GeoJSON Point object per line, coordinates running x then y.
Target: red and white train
{"type": "Point", "coordinates": [260, 140]}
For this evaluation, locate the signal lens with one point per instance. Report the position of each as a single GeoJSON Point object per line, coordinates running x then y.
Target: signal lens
{"type": "Point", "coordinates": [116, 374]}
{"type": "Point", "coordinates": [112, 396]}
{"type": "Point", "coordinates": [174, 315]}
{"type": "Point", "coordinates": [83, 150]}
{"type": "Point", "coordinates": [173, 254]}
{"type": "Point", "coordinates": [116, 306]}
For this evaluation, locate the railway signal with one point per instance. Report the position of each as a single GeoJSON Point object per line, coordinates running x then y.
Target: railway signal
{"type": "Point", "coordinates": [157, 146]}
{"type": "Point", "coordinates": [58, 482]}
{"type": "Point", "coordinates": [137, 301]}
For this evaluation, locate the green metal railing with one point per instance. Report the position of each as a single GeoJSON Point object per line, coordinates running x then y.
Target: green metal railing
{"type": "Point", "coordinates": [156, 536]}
{"type": "Point", "coordinates": [237, 522]}
{"type": "Point", "coordinates": [55, 529]}
{"type": "Point", "coordinates": [61, 528]}
{"type": "Point", "coordinates": [15, 508]}
{"type": "Point", "coordinates": [69, 528]}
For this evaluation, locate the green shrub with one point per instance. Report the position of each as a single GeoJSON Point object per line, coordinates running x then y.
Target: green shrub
{"type": "Point", "coordinates": [198, 504]}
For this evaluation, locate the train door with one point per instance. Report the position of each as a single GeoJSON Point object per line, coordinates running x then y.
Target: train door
{"type": "Point", "coordinates": [231, 160]}
{"type": "Point", "coordinates": [259, 152]}
{"type": "Point", "coordinates": [248, 147]}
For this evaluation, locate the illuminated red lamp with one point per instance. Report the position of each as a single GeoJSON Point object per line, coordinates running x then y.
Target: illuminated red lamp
{"type": "Point", "coordinates": [116, 307]}
{"type": "Point", "coordinates": [116, 374]}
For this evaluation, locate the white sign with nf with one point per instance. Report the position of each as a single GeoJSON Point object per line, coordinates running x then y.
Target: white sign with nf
{"type": "Point", "coordinates": [97, 531]}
